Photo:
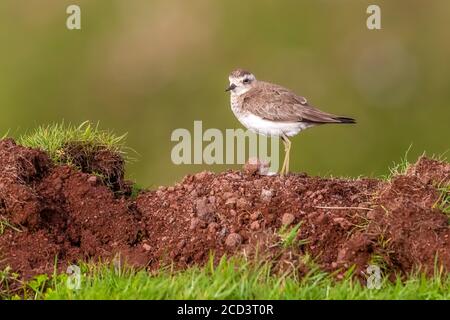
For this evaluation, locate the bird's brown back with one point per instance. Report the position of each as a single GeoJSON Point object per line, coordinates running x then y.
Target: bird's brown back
{"type": "Point", "coordinates": [276, 103]}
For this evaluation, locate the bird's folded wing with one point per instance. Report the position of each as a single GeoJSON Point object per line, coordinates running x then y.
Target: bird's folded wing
{"type": "Point", "coordinates": [276, 103]}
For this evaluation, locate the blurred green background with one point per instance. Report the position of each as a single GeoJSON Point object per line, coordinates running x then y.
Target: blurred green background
{"type": "Point", "coordinates": [149, 67]}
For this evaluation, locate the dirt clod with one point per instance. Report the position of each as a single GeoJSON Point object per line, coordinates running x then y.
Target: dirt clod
{"type": "Point", "coordinates": [255, 166]}
{"type": "Point", "coordinates": [233, 240]}
{"type": "Point", "coordinates": [255, 225]}
{"type": "Point", "coordinates": [287, 219]}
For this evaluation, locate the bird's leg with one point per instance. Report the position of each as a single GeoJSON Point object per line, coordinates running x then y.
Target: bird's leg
{"type": "Point", "coordinates": [284, 162]}
{"type": "Point", "coordinates": [287, 148]}
{"type": "Point", "coordinates": [288, 153]}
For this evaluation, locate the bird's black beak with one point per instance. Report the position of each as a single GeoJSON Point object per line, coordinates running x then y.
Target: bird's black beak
{"type": "Point", "coordinates": [231, 87]}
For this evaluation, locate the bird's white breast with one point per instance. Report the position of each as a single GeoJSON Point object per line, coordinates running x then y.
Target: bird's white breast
{"type": "Point", "coordinates": [271, 128]}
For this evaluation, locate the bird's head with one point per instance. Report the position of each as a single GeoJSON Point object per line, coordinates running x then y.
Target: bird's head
{"type": "Point", "coordinates": [240, 81]}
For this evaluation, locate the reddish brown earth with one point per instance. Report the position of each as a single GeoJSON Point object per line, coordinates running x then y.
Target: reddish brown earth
{"type": "Point", "coordinates": [59, 211]}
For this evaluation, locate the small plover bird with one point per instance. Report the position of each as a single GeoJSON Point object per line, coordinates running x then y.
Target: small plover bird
{"type": "Point", "coordinates": [273, 110]}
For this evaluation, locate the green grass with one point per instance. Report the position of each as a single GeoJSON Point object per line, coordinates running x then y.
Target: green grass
{"type": "Point", "coordinates": [399, 168]}
{"type": "Point", "coordinates": [231, 279]}
{"type": "Point", "coordinates": [443, 203]}
{"type": "Point", "coordinates": [135, 190]}
{"type": "Point", "coordinates": [6, 278]}
{"type": "Point", "coordinates": [4, 224]}
{"type": "Point", "coordinates": [53, 138]}
{"type": "Point", "coordinates": [288, 236]}
{"type": "Point", "coordinates": [5, 135]}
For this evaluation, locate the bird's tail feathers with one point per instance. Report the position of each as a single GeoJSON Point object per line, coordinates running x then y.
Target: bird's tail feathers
{"type": "Point", "coordinates": [345, 120]}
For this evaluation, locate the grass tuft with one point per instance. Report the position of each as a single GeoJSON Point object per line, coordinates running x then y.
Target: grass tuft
{"type": "Point", "coordinates": [55, 137]}
{"type": "Point", "coordinates": [288, 236]}
{"type": "Point", "coordinates": [442, 157]}
{"type": "Point", "coordinates": [443, 202]}
{"type": "Point", "coordinates": [136, 189]}
{"type": "Point", "coordinates": [4, 224]}
{"type": "Point", "coordinates": [5, 135]}
{"type": "Point", "coordinates": [7, 278]}
{"type": "Point", "coordinates": [400, 167]}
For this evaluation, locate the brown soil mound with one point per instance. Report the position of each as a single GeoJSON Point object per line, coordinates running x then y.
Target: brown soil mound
{"type": "Point", "coordinates": [64, 213]}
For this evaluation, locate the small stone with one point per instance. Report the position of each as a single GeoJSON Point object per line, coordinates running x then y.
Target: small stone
{"type": "Point", "coordinates": [233, 240]}
{"type": "Point", "coordinates": [58, 184]}
{"type": "Point", "coordinates": [212, 200]}
{"type": "Point", "coordinates": [223, 232]}
{"type": "Point", "coordinates": [371, 215]}
{"type": "Point", "coordinates": [202, 207]}
{"type": "Point", "coordinates": [255, 225]}
{"type": "Point", "coordinates": [146, 247]}
{"type": "Point", "coordinates": [251, 167]}
{"type": "Point", "coordinates": [255, 166]}
{"type": "Point", "coordinates": [266, 195]}
{"type": "Point", "coordinates": [234, 176]}
{"type": "Point", "coordinates": [334, 264]}
{"type": "Point", "coordinates": [342, 222]}
{"type": "Point", "coordinates": [230, 203]}
{"type": "Point", "coordinates": [92, 180]}
{"type": "Point", "coordinates": [194, 223]}
{"type": "Point", "coordinates": [269, 218]}
{"type": "Point", "coordinates": [242, 203]}
{"type": "Point", "coordinates": [170, 189]}
{"type": "Point", "coordinates": [227, 195]}
{"type": "Point", "coordinates": [205, 210]}
{"type": "Point", "coordinates": [194, 194]}
{"type": "Point", "coordinates": [213, 227]}
{"type": "Point", "coordinates": [342, 255]}
{"type": "Point", "coordinates": [321, 219]}
{"type": "Point", "coordinates": [255, 215]}
{"type": "Point", "coordinates": [287, 219]}
{"type": "Point", "coordinates": [201, 175]}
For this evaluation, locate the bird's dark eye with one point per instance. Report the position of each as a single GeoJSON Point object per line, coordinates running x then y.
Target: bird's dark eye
{"type": "Point", "coordinates": [246, 80]}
